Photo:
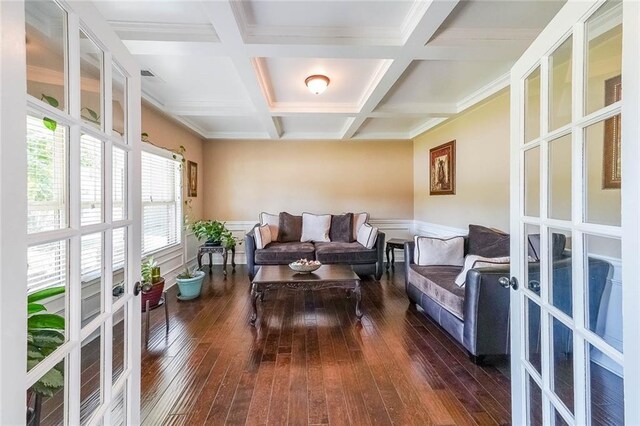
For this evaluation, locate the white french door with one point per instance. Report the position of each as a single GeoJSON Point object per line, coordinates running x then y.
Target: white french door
{"type": "Point", "coordinates": [70, 209]}
{"type": "Point", "coordinates": [574, 219]}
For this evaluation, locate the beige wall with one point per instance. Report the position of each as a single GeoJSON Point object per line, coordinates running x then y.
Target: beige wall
{"type": "Point", "coordinates": [166, 133]}
{"type": "Point", "coordinates": [243, 178]}
{"type": "Point", "coordinates": [482, 168]}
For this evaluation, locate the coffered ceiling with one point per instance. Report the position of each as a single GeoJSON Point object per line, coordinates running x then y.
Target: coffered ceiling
{"type": "Point", "coordinates": [236, 69]}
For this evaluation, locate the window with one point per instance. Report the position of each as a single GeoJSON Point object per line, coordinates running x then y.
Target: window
{"type": "Point", "coordinates": [161, 202]}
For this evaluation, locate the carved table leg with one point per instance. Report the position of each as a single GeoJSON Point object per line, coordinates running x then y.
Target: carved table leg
{"type": "Point", "coordinates": [233, 258]}
{"type": "Point", "coordinates": [200, 260]}
{"type": "Point", "coordinates": [393, 259]}
{"type": "Point", "coordinates": [358, 292]}
{"type": "Point", "coordinates": [210, 263]}
{"type": "Point", "coordinates": [224, 261]}
{"type": "Point", "coordinates": [388, 249]}
{"type": "Point", "coordinates": [254, 299]}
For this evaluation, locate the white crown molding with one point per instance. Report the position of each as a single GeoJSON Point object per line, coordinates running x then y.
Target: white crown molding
{"type": "Point", "coordinates": [129, 30]}
{"type": "Point", "coordinates": [381, 136]}
{"type": "Point", "coordinates": [427, 125]}
{"type": "Point", "coordinates": [236, 135]}
{"type": "Point", "coordinates": [464, 36]}
{"type": "Point", "coordinates": [485, 92]}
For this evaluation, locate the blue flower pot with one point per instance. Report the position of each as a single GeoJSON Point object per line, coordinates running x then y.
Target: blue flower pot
{"type": "Point", "coordinates": [190, 288]}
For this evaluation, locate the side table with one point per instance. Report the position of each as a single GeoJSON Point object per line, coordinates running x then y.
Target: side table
{"type": "Point", "coordinates": [392, 244]}
{"type": "Point", "coordinates": [222, 250]}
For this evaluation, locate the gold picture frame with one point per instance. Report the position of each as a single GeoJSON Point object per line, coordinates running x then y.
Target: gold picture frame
{"type": "Point", "coordinates": [192, 179]}
{"type": "Point", "coordinates": [442, 169]}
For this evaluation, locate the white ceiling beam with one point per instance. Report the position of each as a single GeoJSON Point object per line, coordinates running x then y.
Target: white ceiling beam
{"type": "Point", "coordinates": [128, 30]}
{"type": "Point", "coordinates": [222, 18]}
{"type": "Point", "coordinates": [432, 18]}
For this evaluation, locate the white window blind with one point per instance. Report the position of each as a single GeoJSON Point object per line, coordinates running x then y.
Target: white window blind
{"type": "Point", "coordinates": [119, 179]}
{"type": "Point", "coordinates": [91, 257]}
{"type": "Point", "coordinates": [46, 177]}
{"type": "Point", "coordinates": [161, 202]}
{"type": "Point", "coordinates": [90, 180]}
{"type": "Point", "coordinates": [47, 265]}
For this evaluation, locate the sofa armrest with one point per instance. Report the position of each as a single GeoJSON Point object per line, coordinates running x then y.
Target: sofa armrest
{"type": "Point", "coordinates": [486, 311]}
{"type": "Point", "coordinates": [409, 249]}
{"type": "Point", "coordinates": [379, 246]}
{"type": "Point", "coordinates": [250, 250]}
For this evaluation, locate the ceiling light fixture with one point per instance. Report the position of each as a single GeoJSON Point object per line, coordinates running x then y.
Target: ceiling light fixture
{"type": "Point", "coordinates": [317, 83]}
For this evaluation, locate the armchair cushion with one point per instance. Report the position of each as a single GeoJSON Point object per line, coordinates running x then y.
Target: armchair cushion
{"type": "Point", "coordinates": [437, 251]}
{"type": "Point", "coordinates": [351, 253]}
{"type": "Point", "coordinates": [278, 253]}
{"type": "Point", "coordinates": [472, 261]}
{"type": "Point", "coordinates": [487, 242]}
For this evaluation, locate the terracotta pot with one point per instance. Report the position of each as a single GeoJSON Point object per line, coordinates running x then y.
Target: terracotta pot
{"type": "Point", "coordinates": [153, 296]}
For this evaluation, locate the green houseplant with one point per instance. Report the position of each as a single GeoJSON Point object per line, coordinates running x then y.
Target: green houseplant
{"type": "Point", "coordinates": [45, 333]}
{"type": "Point", "coordinates": [214, 233]}
{"type": "Point", "coordinates": [190, 283]}
{"type": "Point", "coordinates": [150, 272]}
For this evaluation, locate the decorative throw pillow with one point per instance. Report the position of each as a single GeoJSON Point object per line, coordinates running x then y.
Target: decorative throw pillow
{"type": "Point", "coordinates": [358, 220]}
{"type": "Point", "coordinates": [315, 227]}
{"type": "Point", "coordinates": [487, 242]}
{"type": "Point", "coordinates": [558, 242]}
{"type": "Point", "coordinates": [263, 236]}
{"type": "Point", "coordinates": [437, 251]}
{"type": "Point", "coordinates": [341, 228]}
{"type": "Point", "coordinates": [474, 261]}
{"type": "Point", "coordinates": [367, 235]}
{"type": "Point", "coordinates": [290, 228]}
{"type": "Point", "coordinates": [273, 221]}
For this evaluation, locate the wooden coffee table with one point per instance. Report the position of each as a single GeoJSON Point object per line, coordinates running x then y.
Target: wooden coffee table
{"type": "Point", "coordinates": [281, 276]}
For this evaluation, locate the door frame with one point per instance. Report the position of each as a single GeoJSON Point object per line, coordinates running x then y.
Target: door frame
{"type": "Point", "coordinates": [557, 31]}
{"type": "Point", "coordinates": [14, 378]}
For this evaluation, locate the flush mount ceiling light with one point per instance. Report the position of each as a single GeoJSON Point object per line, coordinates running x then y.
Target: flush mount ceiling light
{"type": "Point", "coordinates": [317, 83]}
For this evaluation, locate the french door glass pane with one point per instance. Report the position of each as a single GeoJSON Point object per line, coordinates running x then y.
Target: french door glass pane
{"type": "Point", "coordinates": [560, 66]}
{"type": "Point", "coordinates": [602, 173]}
{"type": "Point", "coordinates": [534, 401]}
{"type": "Point", "coordinates": [119, 409]}
{"type": "Point", "coordinates": [533, 343]}
{"type": "Point", "coordinates": [560, 178]}
{"type": "Point", "coordinates": [561, 276]}
{"type": "Point", "coordinates": [603, 272]}
{"type": "Point", "coordinates": [91, 276]}
{"type": "Point", "coordinates": [119, 101]}
{"type": "Point", "coordinates": [532, 182]}
{"type": "Point", "coordinates": [532, 106]}
{"type": "Point", "coordinates": [604, 57]}
{"type": "Point", "coordinates": [48, 393]}
{"type": "Point", "coordinates": [90, 375]}
{"type": "Point", "coordinates": [558, 419]}
{"type": "Point", "coordinates": [118, 344]}
{"type": "Point", "coordinates": [562, 358]}
{"type": "Point", "coordinates": [119, 267]}
{"type": "Point", "coordinates": [46, 58]}
{"type": "Point", "coordinates": [606, 388]}
{"type": "Point", "coordinates": [91, 58]}
{"type": "Point", "coordinates": [119, 186]}
{"type": "Point", "coordinates": [91, 180]}
{"type": "Point", "coordinates": [47, 177]}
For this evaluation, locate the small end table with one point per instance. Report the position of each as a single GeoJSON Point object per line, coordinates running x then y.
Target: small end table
{"type": "Point", "coordinates": [222, 250]}
{"type": "Point", "coordinates": [392, 244]}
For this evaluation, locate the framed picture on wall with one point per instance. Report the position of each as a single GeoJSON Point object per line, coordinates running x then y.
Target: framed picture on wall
{"type": "Point", "coordinates": [192, 179]}
{"type": "Point", "coordinates": [442, 169]}
{"type": "Point", "coordinates": [612, 172]}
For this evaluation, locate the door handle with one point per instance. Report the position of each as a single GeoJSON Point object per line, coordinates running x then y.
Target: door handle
{"type": "Point", "coordinates": [141, 288]}
{"type": "Point", "coordinates": [506, 282]}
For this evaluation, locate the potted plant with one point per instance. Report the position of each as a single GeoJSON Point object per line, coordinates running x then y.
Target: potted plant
{"type": "Point", "coordinates": [45, 333]}
{"type": "Point", "coordinates": [214, 233]}
{"type": "Point", "coordinates": [151, 275]}
{"type": "Point", "coordinates": [190, 283]}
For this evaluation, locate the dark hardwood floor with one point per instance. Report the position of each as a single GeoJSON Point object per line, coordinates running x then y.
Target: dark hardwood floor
{"type": "Point", "coordinates": [309, 362]}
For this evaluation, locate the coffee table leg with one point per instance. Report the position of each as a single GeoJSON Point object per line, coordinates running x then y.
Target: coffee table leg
{"type": "Point", "coordinates": [254, 299]}
{"type": "Point", "coordinates": [358, 292]}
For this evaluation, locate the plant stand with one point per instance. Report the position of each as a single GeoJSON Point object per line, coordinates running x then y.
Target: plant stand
{"type": "Point", "coordinates": [163, 302]}
{"type": "Point", "coordinates": [222, 250]}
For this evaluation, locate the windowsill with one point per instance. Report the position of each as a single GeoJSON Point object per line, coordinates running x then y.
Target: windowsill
{"type": "Point", "coordinates": [163, 250]}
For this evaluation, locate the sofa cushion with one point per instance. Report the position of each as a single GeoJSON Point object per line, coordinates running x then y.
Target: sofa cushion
{"type": "Point", "coordinates": [273, 221]}
{"type": "Point", "coordinates": [341, 228]}
{"type": "Point", "coordinates": [290, 228]}
{"type": "Point", "coordinates": [263, 236]}
{"type": "Point", "coordinates": [278, 253]}
{"type": "Point", "coordinates": [315, 227]}
{"type": "Point", "coordinates": [559, 242]}
{"type": "Point", "coordinates": [430, 251]}
{"type": "Point", "coordinates": [351, 253]}
{"type": "Point", "coordinates": [367, 235]}
{"type": "Point", "coordinates": [438, 282]}
{"type": "Point", "coordinates": [359, 219]}
{"type": "Point", "coordinates": [487, 242]}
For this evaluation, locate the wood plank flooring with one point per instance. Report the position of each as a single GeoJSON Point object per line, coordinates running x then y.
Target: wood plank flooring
{"type": "Point", "coordinates": [309, 362]}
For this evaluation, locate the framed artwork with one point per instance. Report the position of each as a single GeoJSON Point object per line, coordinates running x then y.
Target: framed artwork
{"type": "Point", "coordinates": [611, 170]}
{"type": "Point", "coordinates": [442, 169]}
{"type": "Point", "coordinates": [192, 178]}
